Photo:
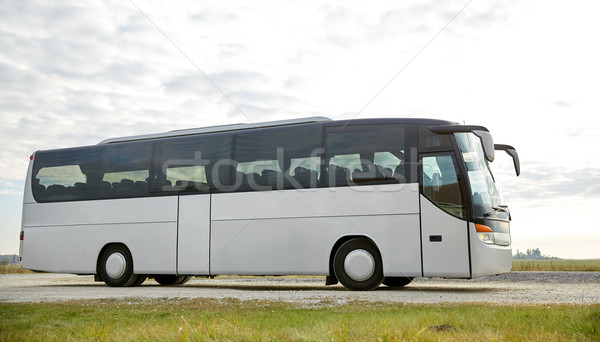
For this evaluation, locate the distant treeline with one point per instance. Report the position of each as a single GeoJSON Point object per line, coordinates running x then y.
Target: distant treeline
{"type": "Point", "coordinates": [9, 259]}
{"type": "Point", "coordinates": [533, 254]}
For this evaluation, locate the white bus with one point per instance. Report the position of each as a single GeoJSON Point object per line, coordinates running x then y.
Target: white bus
{"type": "Point", "coordinates": [362, 202]}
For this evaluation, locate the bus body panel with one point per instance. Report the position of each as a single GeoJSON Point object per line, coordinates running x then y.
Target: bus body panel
{"type": "Point", "coordinates": [293, 232]}
{"type": "Point", "coordinates": [28, 193]}
{"type": "Point", "coordinates": [115, 211]}
{"type": "Point", "coordinates": [193, 235]}
{"type": "Point", "coordinates": [75, 249]}
{"type": "Point", "coordinates": [353, 201]}
{"type": "Point", "coordinates": [448, 255]}
{"type": "Point", "coordinates": [68, 236]}
{"type": "Point", "coordinates": [50, 249]}
{"type": "Point", "coordinates": [487, 259]}
{"type": "Point", "coordinates": [289, 246]}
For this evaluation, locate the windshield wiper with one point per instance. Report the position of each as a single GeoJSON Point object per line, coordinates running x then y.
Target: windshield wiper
{"type": "Point", "coordinates": [502, 208]}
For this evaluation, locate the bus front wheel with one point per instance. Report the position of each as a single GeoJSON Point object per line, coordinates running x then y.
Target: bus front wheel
{"type": "Point", "coordinates": [116, 267]}
{"type": "Point", "coordinates": [357, 265]}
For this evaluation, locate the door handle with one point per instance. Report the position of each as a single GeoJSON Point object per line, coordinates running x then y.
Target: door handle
{"type": "Point", "coordinates": [435, 238]}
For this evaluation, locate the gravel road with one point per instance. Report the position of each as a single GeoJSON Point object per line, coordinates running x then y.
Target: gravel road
{"type": "Point", "coordinates": [511, 288]}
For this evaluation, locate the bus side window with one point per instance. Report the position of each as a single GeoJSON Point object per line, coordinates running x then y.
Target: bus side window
{"type": "Point", "coordinates": [71, 174]}
{"type": "Point", "coordinates": [60, 183]}
{"type": "Point", "coordinates": [391, 165]}
{"type": "Point", "coordinates": [277, 159]}
{"type": "Point", "coordinates": [258, 174]}
{"type": "Point", "coordinates": [366, 155]}
{"type": "Point", "coordinates": [306, 171]}
{"type": "Point", "coordinates": [126, 166]}
{"type": "Point", "coordinates": [192, 164]}
{"type": "Point", "coordinates": [440, 184]}
{"type": "Point", "coordinates": [127, 183]}
{"type": "Point", "coordinates": [186, 178]}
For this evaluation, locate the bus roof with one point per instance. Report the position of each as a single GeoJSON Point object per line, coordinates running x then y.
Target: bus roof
{"type": "Point", "coordinates": [220, 128]}
{"type": "Point", "coordinates": [243, 126]}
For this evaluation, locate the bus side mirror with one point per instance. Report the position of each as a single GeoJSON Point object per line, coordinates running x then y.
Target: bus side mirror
{"type": "Point", "coordinates": [488, 144]}
{"type": "Point", "coordinates": [511, 151]}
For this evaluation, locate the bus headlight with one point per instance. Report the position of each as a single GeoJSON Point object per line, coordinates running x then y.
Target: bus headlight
{"type": "Point", "coordinates": [486, 237]}
{"type": "Point", "coordinates": [485, 233]}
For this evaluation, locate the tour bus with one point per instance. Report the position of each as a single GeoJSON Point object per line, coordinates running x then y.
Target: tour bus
{"type": "Point", "coordinates": [361, 202]}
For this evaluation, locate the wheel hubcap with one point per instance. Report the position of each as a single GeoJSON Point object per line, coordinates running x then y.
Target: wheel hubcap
{"type": "Point", "coordinates": [116, 265]}
{"type": "Point", "coordinates": [359, 265]}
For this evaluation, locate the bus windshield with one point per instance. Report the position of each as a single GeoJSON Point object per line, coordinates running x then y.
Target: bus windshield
{"type": "Point", "coordinates": [487, 197]}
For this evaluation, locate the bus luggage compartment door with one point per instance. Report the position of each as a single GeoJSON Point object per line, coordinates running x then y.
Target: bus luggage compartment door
{"type": "Point", "coordinates": [193, 235]}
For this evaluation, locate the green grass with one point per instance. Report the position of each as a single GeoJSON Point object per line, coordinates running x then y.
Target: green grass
{"type": "Point", "coordinates": [556, 265]}
{"type": "Point", "coordinates": [208, 320]}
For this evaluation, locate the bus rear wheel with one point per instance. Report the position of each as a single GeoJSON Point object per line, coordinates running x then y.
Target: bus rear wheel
{"type": "Point", "coordinates": [397, 281]}
{"type": "Point", "coordinates": [170, 279]}
{"type": "Point", "coordinates": [357, 265]}
{"type": "Point", "coordinates": [116, 267]}
{"type": "Point", "coordinates": [185, 280]}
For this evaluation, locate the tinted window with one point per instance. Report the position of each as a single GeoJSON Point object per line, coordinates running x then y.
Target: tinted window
{"type": "Point", "coordinates": [126, 167]}
{"type": "Point", "coordinates": [94, 172]}
{"type": "Point", "coordinates": [277, 158]}
{"type": "Point", "coordinates": [367, 155]}
{"type": "Point", "coordinates": [193, 163]}
{"type": "Point", "coordinates": [65, 175]}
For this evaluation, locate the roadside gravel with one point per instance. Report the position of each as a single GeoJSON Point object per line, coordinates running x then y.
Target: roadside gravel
{"type": "Point", "coordinates": [511, 288]}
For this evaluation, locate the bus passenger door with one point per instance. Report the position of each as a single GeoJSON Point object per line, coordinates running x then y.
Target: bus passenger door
{"type": "Point", "coordinates": [193, 235]}
{"type": "Point", "coordinates": [444, 230]}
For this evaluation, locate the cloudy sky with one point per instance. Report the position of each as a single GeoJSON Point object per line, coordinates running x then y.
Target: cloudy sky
{"type": "Point", "coordinates": [76, 73]}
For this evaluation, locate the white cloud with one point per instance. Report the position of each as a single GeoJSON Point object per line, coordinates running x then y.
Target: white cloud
{"type": "Point", "coordinates": [544, 183]}
{"type": "Point", "coordinates": [11, 187]}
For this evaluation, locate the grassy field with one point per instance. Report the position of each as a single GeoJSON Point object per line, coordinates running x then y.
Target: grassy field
{"type": "Point", "coordinates": [13, 269]}
{"type": "Point", "coordinates": [556, 265]}
{"type": "Point", "coordinates": [207, 320]}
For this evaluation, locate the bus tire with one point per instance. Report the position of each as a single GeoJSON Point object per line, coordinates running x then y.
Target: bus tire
{"type": "Point", "coordinates": [184, 280]}
{"type": "Point", "coordinates": [169, 279]}
{"type": "Point", "coordinates": [116, 267]}
{"type": "Point", "coordinates": [139, 281]}
{"type": "Point", "coordinates": [397, 281]}
{"type": "Point", "coordinates": [357, 265]}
